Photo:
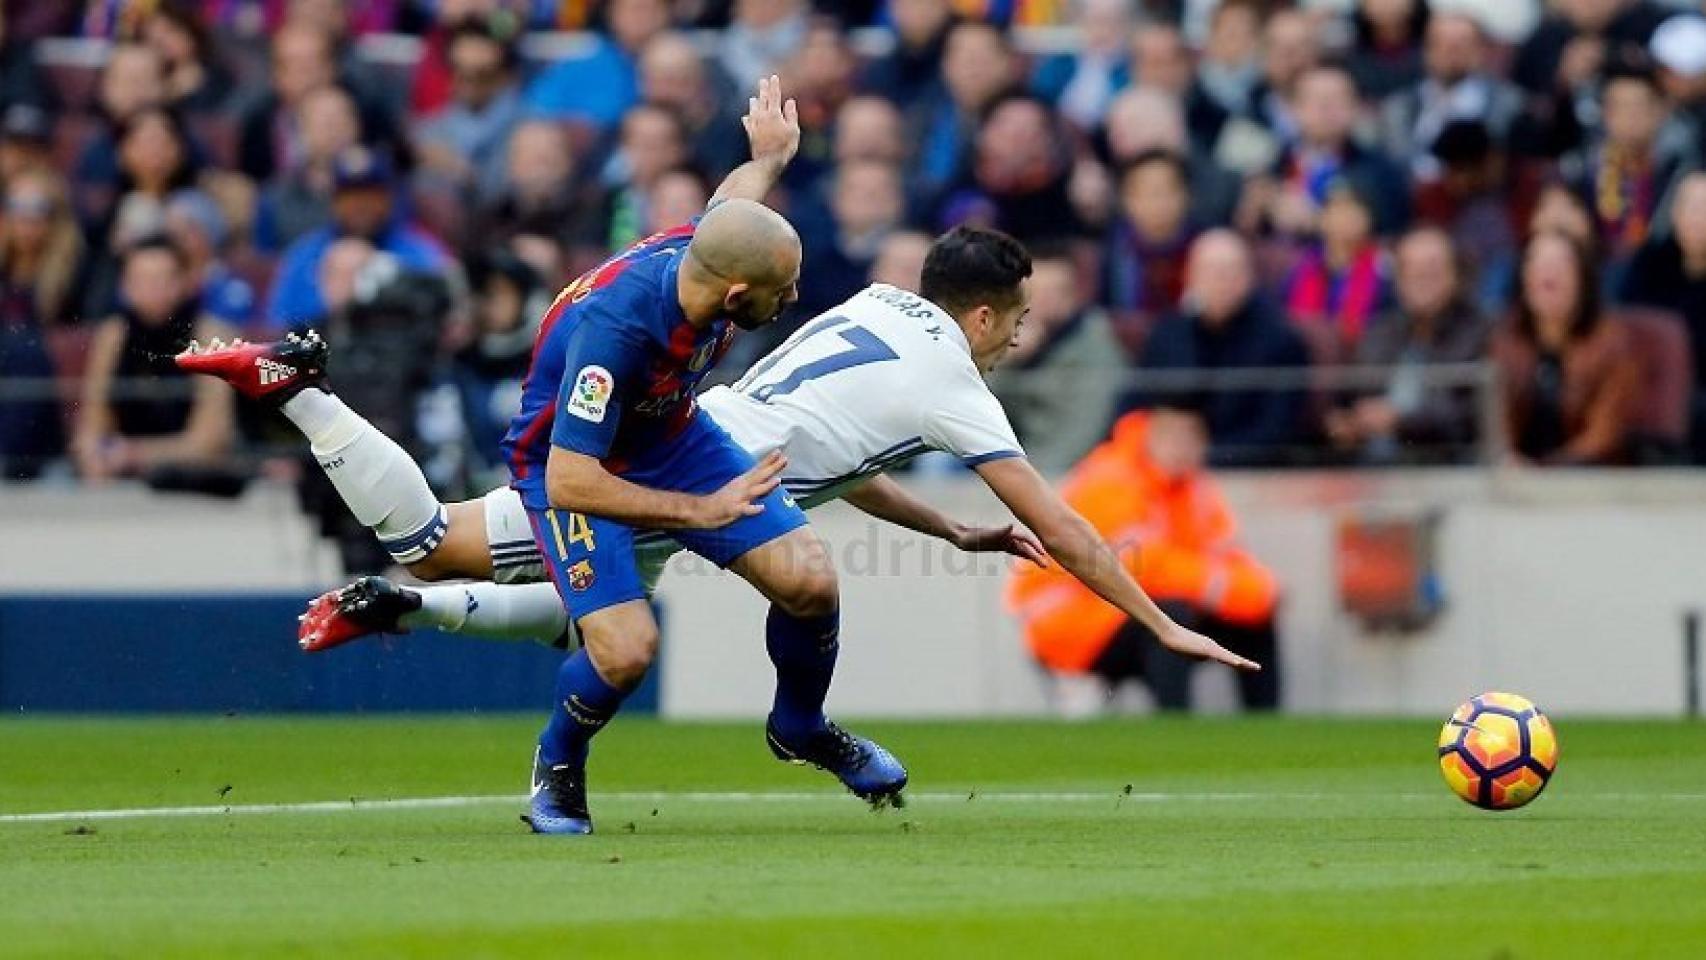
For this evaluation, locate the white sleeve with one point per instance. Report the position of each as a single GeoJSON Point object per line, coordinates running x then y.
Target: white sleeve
{"type": "Point", "coordinates": [967, 421]}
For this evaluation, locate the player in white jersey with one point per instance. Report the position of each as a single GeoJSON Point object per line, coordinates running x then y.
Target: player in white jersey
{"type": "Point", "coordinates": [880, 379]}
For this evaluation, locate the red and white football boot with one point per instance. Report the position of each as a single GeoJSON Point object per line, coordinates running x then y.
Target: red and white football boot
{"type": "Point", "coordinates": [368, 606]}
{"type": "Point", "coordinates": [270, 372]}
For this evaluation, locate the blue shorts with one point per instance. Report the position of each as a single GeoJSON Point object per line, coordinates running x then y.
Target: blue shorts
{"type": "Point", "coordinates": [591, 559]}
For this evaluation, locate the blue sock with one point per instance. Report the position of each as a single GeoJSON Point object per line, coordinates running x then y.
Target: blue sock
{"type": "Point", "coordinates": [585, 703]}
{"type": "Point", "coordinates": [803, 650]}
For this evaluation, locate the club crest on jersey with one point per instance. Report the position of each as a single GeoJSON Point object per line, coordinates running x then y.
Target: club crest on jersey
{"type": "Point", "coordinates": [591, 394]}
{"type": "Point", "coordinates": [702, 356]}
{"type": "Point", "coordinates": [580, 575]}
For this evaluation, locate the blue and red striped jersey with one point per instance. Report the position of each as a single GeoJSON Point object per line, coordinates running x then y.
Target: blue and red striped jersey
{"type": "Point", "coordinates": [615, 366]}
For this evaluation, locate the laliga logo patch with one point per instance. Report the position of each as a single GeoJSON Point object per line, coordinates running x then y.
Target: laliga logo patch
{"type": "Point", "coordinates": [591, 393]}
{"type": "Point", "coordinates": [580, 575]}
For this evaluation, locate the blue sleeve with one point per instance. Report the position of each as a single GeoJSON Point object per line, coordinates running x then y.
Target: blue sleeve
{"type": "Point", "coordinates": [603, 364]}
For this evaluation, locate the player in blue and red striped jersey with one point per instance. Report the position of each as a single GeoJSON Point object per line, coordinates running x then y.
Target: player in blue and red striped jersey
{"type": "Point", "coordinates": [610, 438]}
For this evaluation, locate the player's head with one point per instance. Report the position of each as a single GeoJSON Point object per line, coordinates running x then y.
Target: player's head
{"type": "Point", "coordinates": [745, 261]}
{"type": "Point", "coordinates": [977, 275]}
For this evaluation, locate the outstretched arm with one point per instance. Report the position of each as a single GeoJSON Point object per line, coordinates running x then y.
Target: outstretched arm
{"type": "Point", "coordinates": [1076, 545]}
{"type": "Point", "coordinates": [884, 498]}
{"type": "Point", "coordinates": [773, 129]}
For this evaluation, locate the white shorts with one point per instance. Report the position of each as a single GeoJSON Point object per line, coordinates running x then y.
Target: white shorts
{"type": "Point", "coordinates": [515, 554]}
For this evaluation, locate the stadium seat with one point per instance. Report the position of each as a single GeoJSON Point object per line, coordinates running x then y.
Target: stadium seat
{"type": "Point", "coordinates": [1660, 340]}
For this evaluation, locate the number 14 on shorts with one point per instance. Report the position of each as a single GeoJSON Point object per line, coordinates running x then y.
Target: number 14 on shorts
{"type": "Point", "coordinates": [579, 532]}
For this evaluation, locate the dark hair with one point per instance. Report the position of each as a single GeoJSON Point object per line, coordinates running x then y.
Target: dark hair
{"type": "Point", "coordinates": [156, 242]}
{"type": "Point", "coordinates": [184, 176]}
{"type": "Point", "coordinates": [186, 15]}
{"type": "Point", "coordinates": [494, 30]}
{"type": "Point", "coordinates": [1634, 69]}
{"type": "Point", "coordinates": [1171, 159]}
{"type": "Point", "coordinates": [968, 267]}
{"type": "Point", "coordinates": [1588, 311]}
{"type": "Point", "coordinates": [1364, 27]}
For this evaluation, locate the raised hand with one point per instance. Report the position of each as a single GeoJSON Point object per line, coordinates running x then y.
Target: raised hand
{"type": "Point", "coordinates": [772, 124]}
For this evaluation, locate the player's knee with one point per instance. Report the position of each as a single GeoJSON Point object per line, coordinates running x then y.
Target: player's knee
{"type": "Point", "coordinates": [811, 592]}
{"type": "Point", "coordinates": [431, 568]}
{"type": "Point", "coordinates": [622, 658]}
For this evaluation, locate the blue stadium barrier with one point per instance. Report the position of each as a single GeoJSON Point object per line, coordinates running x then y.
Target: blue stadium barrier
{"type": "Point", "coordinates": [110, 653]}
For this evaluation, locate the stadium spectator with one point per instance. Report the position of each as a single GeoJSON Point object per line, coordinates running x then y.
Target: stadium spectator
{"type": "Point", "coordinates": [1679, 49]}
{"type": "Point", "coordinates": [1386, 54]}
{"type": "Point", "coordinates": [1018, 180]}
{"type": "Point", "coordinates": [760, 37]}
{"type": "Point", "coordinates": [1230, 70]}
{"type": "Point", "coordinates": [910, 74]}
{"type": "Point", "coordinates": [598, 86]}
{"type": "Point", "coordinates": [1470, 200]}
{"type": "Point", "coordinates": [1222, 324]}
{"type": "Point", "coordinates": [977, 68]}
{"type": "Point", "coordinates": [363, 206]}
{"type": "Point", "coordinates": [26, 140]}
{"type": "Point", "coordinates": [1670, 274]}
{"type": "Point", "coordinates": [679, 196]}
{"type": "Point", "coordinates": [900, 260]}
{"type": "Point", "coordinates": [1081, 84]}
{"type": "Point", "coordinates": [1063, 378]}
{"type": "Point", "coordinates": [132, 80]}
{"type": "Point", "coordinates": [1291, 47]}
{"type": "Point", "coordinates": [139, 413]}
{"type": "Point", "coordinates": [869, 128]}
{"type": "Point", "coordinates": [1145, 488]}
{"type": "Point", "coordinates": [652, 143]}
{"type": "Point", "coordinates": [1341, 282]}
{"type": "Point", "coordinates": [867, 202]}
{"type": "Point", "coordinates": [1160, 59]}
{"type": "Point", "coordinates": [541, 196]}
{"type": "Point", "coordinates": [197, 84]}
{"type": "Point", "coordinates": [1141, 120]}
{"type": "Point", "coordinates": [1567, 51]}
{"type": "Point", "coordinates": [298, 199]}
{"type": "Point", "coordinates": [673, 75]}
{"type": "Point", "coordinates": [1458, 85]}
{"type": "Point", "coordinates": [1627, 173]}
{"type": "Point", "coordinates": [1569, 375]}
{"type": "Point", "coordinates": [40, 250]}
{"type": "Point", "coordinates": [1435, 321]}
{"type": "Point", "coordinates": [509, 301]}
{"type": "Point", "coordinates": [1325, 105]}
{"type": "Point", "coordinates": [463, 145]}
{"type": "Point", "coordinates": [273, 130]}
{"type": "Point", "coordinates": [196, 226]}
{"type": "Point", "coordinates": [1147, 246]}
{"type": "Point", "coordinates": [431, 81]}
{"type": "Point", "coordinates": [155, 159]}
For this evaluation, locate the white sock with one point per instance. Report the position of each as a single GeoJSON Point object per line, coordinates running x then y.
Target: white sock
{"type": "Point", "coordinates": [499, 611]}
{"type": "Point", "coordinates": [377, 479]}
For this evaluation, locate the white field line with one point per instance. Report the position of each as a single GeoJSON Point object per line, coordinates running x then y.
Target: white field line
{"type": "Point", "coordinates": [708, 796]}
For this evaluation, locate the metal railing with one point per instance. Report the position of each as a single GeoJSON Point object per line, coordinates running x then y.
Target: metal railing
{"type": "Point", "coordinates": [1322, 384]}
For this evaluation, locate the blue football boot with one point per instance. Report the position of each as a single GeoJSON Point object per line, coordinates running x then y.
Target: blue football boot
{"type": "Point", "coordinates": [558, 801]}
{"type": "Point", "coordinates": [863, 766]}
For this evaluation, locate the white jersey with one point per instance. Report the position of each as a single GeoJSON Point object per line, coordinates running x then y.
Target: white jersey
{"type": "Point", "coordinates": [863, 388]}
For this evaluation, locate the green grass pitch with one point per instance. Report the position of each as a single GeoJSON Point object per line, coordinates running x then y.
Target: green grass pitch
{"type": "Point", "coordinates": [1239, 838]}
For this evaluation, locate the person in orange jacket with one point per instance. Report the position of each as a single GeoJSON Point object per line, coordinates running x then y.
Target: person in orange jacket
{"type": "Point", "coordinates": [1144, 489]}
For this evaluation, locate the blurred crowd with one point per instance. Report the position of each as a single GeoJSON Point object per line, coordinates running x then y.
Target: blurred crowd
{"type": "Point", "coordinates": [1320, 226]}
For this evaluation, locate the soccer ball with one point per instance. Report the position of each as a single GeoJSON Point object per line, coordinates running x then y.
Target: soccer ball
{"type": "Point", "coordinates": [1498, 751]}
